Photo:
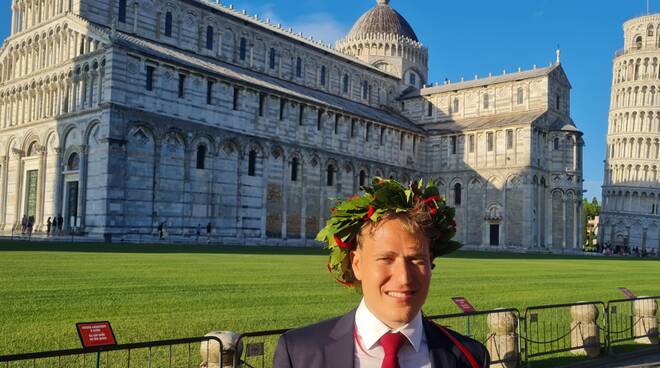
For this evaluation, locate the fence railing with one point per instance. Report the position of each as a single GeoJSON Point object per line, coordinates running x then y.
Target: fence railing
{"type": "Point", "coordinates": [156, 354]}
{"type": "Point", "coordinates": [587, 329]}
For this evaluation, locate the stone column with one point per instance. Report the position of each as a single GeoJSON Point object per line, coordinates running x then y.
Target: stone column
{"type": "Point", "coordinates": [14, 10]}
{"type": "Point", "coordinates": [646, 321]}
{"type": "Point", "coordinates": [563, 221]}
{"type": "Point", "coordinates": [576, 223]}
{"type": "Point", "coordinates": [3, 193]}
{"type": "Point", "coordinates": [548, 220]}
{"type": "Point", "coordinates": [59, 181]}
{"type": "Point", "coordinates": [18, 156]}
{"type": "Point", "coordinates": [585, 336]}
{"type": "Point", "coordinates": [285, 197]}
{"type": "Point", "coordinates": [82, 190]}
{"type": "Point", "coordinates": [40, 189]}
{"type": "Point", "coordinates": [502, 343]}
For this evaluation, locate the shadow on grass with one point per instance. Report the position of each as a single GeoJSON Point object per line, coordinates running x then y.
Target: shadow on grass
{"type": "Point", "coordinates": [56, 246]}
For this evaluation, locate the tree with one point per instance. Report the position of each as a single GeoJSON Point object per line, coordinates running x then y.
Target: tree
{"type": "Point", "coordinates": [590, 211]}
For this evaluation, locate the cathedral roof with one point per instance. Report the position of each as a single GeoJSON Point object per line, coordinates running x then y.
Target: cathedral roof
{"type": "Point", "coordinates": [382, 19]}
{"type": "Point", "coordinates": [560, 125]}
{"type": "Point", "coordinates": [264, 81]}
{"type": "Point", "coordinates": [484, 122]}
{"type": "Point", "coordinates": [509, 77]}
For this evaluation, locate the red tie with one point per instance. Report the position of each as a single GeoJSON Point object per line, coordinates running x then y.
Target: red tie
{"type": "Point", "coordinates": [391, 343]}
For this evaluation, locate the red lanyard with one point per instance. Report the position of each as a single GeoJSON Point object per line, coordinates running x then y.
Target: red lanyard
{"type": "Point", "coordinates": [458, 344]}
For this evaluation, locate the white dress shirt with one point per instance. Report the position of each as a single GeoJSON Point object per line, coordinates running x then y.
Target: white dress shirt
{"type": "Point", "coordinates": [413, 354]}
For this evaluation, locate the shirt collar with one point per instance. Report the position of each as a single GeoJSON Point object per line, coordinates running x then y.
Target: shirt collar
{"type": "Point", "coordinates": [370, 329]}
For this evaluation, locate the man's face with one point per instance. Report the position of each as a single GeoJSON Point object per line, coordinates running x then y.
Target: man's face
{"type": "Point", "coordinates": [394, 269]}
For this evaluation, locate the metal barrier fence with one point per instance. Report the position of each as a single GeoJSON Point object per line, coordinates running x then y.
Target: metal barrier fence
{"type": "Point", "coordinates": [156, 354]}
{"type": "Point", "coordinates": [498, 330]}
{"type": "Point", "coordinates": [587, 329]}
{"type": "Point", "coordinates": [633, 320]}
{"type": "Point", "coordinates": [552, 329]}
{"type": "Point", "coordinates": [258, 348]}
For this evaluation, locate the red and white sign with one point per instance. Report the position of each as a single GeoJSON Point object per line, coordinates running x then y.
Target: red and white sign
{"type": "Point", "coordinates": [463, 304]}
{"type": "Point", "coordinates": [95, 334]}
{"type": "Point", "coordinates": [628, 293]}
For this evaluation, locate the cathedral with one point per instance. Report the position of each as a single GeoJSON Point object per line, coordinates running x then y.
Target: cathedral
{"type": "Point", "coordinates": [121, 116]}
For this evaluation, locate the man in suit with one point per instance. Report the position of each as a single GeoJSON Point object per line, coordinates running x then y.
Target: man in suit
{"type": "Point", "coordinates": [384, 243]}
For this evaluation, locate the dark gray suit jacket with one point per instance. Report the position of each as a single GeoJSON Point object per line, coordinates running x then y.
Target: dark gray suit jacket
{"type": "Point", "coordinates": [330, 344]}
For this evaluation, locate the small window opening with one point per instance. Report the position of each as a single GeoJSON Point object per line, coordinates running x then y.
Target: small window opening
{"type": "Point", "coordinates": [150, 78]}
{"type": "Point", "coordinates": [201, 157]}
{"type": "Point", "coordinates": [294, 169]}
{"type": "Point", "coordinates": [182, 81]}
{"type": "Point", "coordinates": [252, 163]}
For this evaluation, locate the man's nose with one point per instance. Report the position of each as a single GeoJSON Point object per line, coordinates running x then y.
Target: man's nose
{"type": "Point", "coordinates": [404, 271]}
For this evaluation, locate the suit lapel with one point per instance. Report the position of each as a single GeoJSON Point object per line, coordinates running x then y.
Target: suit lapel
{"type": "Point", "coordinates": [440, 348]}
{"type": "Point", "coordinates": [340, 351]}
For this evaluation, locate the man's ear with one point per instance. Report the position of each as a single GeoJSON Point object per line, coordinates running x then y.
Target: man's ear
{"type": "Point", "coordinates": [356, 263]}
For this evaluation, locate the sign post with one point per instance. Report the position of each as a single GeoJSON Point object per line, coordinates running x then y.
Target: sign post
{"type": "Point", "coordinates": [96, 335]}
{"type": "Point", "coordinates": [628, 293]}
{"type": "Point", "coordinates": [464, 305]}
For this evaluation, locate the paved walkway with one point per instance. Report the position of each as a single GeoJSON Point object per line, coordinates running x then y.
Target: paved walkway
{"type": "Point", "coordinates": [640, 359]}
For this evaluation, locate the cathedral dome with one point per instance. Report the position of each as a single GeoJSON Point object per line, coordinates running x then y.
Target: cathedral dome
{"type": "Point", "coordinates": [382, 19]}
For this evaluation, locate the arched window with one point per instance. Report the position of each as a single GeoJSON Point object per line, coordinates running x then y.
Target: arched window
{"type": "Point", "coordinates": [649, 31]}
{"type": "Point", "coordinates": [412, 79]}
{"type": "Point", "coordinates": [345, 84]}
{"type": "Point", "coordinates": [298, 67]}
{"type": "Point", "coordinates": [638, 42]}
{"type": "Point", "coordinates": [271, 58]}
{"type": "Point", "coordinates": [121, 15]}
{"type": "Point", "coordinates": [456, 105]}
{"type": "Point", "coordinates": [429, 108]}
{"type": "Point", "coordinates": [73, 163]}
{"type": "Point", "coordinates": [201, 157]}
{"type": "Point", "coordinates": [209, 38]}
{"type": "Point", "coordinates": [294, 169]}
{"type": "Point", "coordinates": [323, 75]}
{"type": "Point", "coordinates": [457, 194]}
{"type": "Point", "coordinates": [168, 24]}
{"type": "Point", "coordinates": [556, 144]}
{"type": "Point", "coordinates": [331, 176]}
{"type": "Point", "coordinates": [32, 149]}
{"type": "Point", "coordinates": [242, 48]}
{"type": "Point", "coordinates": [486, 101]}
{"type": "Point", "coordinates": [365, 90]}
{"type": "Point", "coordinates": [252, 163]}
{"type": "Point", "coordinates": [363, 178]}
{"type": "Point", "coordinates": [520, 96]}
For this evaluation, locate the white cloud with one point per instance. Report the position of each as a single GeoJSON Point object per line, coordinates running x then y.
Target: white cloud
{"type": "Point", "coordinates": [321, 26]}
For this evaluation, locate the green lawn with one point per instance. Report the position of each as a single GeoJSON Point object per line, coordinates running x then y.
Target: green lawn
{"type": "Point", "coordinates": [172, 291]}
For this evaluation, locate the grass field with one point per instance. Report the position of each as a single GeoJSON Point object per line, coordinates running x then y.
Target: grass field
{"type": "Point", "coordinates": [172, 291]}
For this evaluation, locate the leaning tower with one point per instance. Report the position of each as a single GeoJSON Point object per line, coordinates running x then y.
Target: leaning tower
{"type": "Point", "coordinates": [631, 184]}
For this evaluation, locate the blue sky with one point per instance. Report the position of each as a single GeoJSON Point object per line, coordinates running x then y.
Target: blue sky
{"type": "Point", "coordinates": [483, 36]}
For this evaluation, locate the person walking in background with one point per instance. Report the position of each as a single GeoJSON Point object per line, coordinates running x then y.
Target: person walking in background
{"type": "Point", "coordinates": [24, 223]}
{"type": "Point", "coordinates": [48, 225]}
{"type": "Point", "coordinates": [208, 233]}
{"type": "Point", "coordinates": [30, 224]}
{"type": "Point", "coordinates": [60, 223]}
{"type": "Point", "coordinates": [199, 231]}
{"type": "Point", "coordinates": [160, 231]}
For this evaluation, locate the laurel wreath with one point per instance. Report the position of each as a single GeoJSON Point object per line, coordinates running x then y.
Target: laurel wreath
{"type": "Point", "coordinates": [384, 196]}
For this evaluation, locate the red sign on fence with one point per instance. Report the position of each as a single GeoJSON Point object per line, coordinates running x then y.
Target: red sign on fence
{"type": "Point", "coordinates": [95, 334]}
{"type": "Point", "coordinates": [628, 293]}
{"type": "Point", "coordinates": [463, 304]}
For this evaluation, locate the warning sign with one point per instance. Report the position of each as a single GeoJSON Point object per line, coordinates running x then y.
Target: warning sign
{"type": "Point", "coordinates": [463, 304]}
{"type": "Point", "coordinates": [96, 334]}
